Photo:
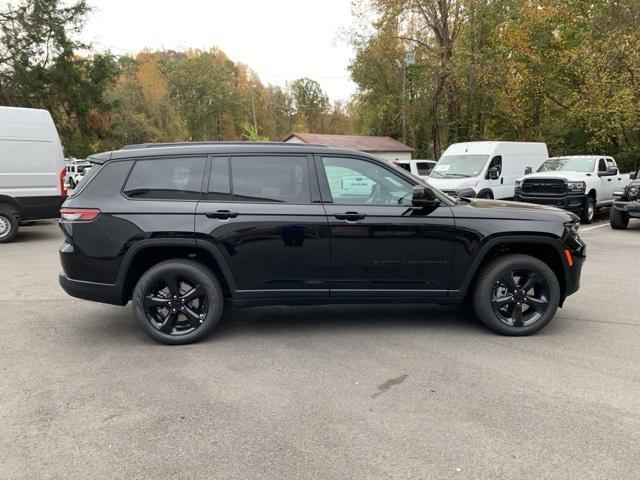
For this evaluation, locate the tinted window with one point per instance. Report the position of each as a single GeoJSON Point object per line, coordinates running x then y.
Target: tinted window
{"type": "Point", "coordinates": [357, 182]}
{"type": "Point", "coordinates": [166, 178]}
{"type": "Point", "coordinates": [602, 166]}
{"type": "Point", "coordinates": [270, 179]}
{"type": "Point", "coordinates": [424, 168]}
{"type": "Point", "coordinates": [219, 187]}
{"type": "Point", "coordinates": [404, 166]}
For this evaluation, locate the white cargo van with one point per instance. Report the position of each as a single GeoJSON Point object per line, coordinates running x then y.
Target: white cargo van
{"type": "Point", "coordinates": [486, 169]}
{"type": "Point", "coordinates": [32, 170]}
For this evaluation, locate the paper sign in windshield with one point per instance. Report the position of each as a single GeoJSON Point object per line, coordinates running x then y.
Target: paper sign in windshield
{"type": "Point", "coordinates": [357, 184]}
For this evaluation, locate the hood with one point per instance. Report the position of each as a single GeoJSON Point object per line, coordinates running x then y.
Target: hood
{"type": "Point", "coordinates": [564, 175]}
{"type": "Point", "coordinates": [505, 209]}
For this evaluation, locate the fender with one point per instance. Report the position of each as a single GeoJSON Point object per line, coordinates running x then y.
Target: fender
{"type": "Point", "coordinates": [541, 239]}
{"type": "Point", "coordinates": [11, 201]}
{"type": "Point", "coordinates": [483, 191]}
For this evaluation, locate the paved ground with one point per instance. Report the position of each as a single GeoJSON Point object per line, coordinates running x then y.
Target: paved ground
{"type": "Point", "coordinates": [325, 392]}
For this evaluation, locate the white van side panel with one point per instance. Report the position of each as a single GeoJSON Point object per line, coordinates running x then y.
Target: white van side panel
{"type": "Point", "coordinates": [31, 159]}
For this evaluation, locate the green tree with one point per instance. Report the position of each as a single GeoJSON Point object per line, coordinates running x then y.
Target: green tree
{"type": "Point", "coordinates": [310, 102]}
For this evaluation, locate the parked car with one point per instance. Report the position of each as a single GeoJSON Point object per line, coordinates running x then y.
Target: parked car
{"type": "Point", "coordinates": [419, 168]}
{"type": "Point", "coordinates": [626, 204]}
{"type": "Point", "coordinates": [76, 170]}
{"type": "Point", "coordinates": [32, 172]}
{"type": "Point", "coordinates": [580, 183]}
{"type": "Point", "coordinates": [486, 169]}
{"type": "Point", "coordinates": [191, 226]}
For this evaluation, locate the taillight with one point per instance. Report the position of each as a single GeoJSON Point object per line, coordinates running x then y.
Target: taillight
{"type": "Point", "coordinates": [79, 214]}
{"type": "Point", "coordinates": [61, 178]}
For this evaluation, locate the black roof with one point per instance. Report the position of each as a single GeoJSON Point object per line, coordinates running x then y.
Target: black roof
{"type": "Point", "coordinates": [207, 148]}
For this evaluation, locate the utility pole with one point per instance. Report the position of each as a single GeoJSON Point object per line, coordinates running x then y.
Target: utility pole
{"type": "Point", "coordinates": [253, 109]}
{"type": "Point", "coordinates": [409, 59]}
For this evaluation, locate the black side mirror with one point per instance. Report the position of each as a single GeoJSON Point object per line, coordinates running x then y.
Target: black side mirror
{"type": "Point", "coordinates": [424, 197]}
{"type": "Point", "coordinates": [493, 173]}
{"type": "Point", "coordinates": [610, 171]}
{"type": "Point", "coordinates": [528, 170]}
{"type": "Point", "coordinates": [633, 175]}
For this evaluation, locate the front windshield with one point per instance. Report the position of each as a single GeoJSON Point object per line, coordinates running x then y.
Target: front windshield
{"type": "Point", "coordinates": [568, 164]}
{"type": "Point", "coordinates": [459, 166]}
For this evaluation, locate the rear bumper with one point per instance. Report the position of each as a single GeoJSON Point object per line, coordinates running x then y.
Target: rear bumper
{"type": "Point", "coordinates": [574, 203]}
{"type": "Point", "coordinates": [96, 292]}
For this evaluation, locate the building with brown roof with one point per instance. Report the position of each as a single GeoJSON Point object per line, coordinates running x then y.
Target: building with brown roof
{"type": "Point", "coordinates": [383, 147]}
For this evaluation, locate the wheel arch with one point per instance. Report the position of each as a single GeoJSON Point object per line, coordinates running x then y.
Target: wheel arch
{"type": "Point", "coordinates": [11, 202]}
{"type": "Point", "coordinates": [544, 248]}
{"type": "Point", "coordinates": [485, 191]}
{"type": "Point", "coordinates": [146, 253]}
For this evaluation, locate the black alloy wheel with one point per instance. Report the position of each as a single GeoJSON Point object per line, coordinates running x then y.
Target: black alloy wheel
{"type": "Point", "coordinates": [520, 297]}
{"type": "Point", "coordinates": [516, 294]}
{"type": "Point", "coordinates": [175, 304]}
{"type": "Point", "coordinates": [178, 301]}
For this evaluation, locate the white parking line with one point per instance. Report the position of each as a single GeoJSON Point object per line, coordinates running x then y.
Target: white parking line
{"type": "Point", "coordinates": [592, 228]}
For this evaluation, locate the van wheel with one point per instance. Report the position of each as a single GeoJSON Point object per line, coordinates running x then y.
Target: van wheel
{"type": "Point", "coordinates": [178, 301]}
{"type": "Point", "coordinates": [9, 225]}
{"type": "Point", "coordinates": [617, 219]}
{"type": "Point", "coordinates": [486, 195]}
{"type": "Point", "coordinates": [589, 211]}
{"type": "Point", "coordinates": [516, 295]}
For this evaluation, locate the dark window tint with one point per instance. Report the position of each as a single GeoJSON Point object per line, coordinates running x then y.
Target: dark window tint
{"type": "Point", "coordinates": [166, 178]}
{"type": "Point", "coordinates": [270, 179]}
{"type": "Point", "coordinates": [404, 166]}
{"type": "Point", "coordinates": [424, 168]}
{"type": "Point", "coordinates": [219, 188]}
{"type": "Point", "coordinates": [602, 166]}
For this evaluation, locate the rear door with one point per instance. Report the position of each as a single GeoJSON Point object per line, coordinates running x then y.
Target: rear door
{"type": "Point", "coordinates": [380, 246]}
{"type": "Point", "coordinates": [263, 216]}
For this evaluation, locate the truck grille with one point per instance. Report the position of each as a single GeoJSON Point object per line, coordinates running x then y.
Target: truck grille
{"type": "Point", "coordinates": [545, 186]}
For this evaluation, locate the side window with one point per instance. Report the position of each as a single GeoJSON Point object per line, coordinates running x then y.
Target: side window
{"type": "Point", "coordinates": [358, 182]}
{"type": "Point", "coordinates": [611, 163]}
{"type": "Point", "coordinates": [264, 178]}
{"type": "Point", "coordinates": [166, 178]}
{"type": "Point", "coordinates": [404, 166]}
{"type": "Point", "coordinates": [602, 165]}
{"type": "Point", "coordinates": [424, 168]}
{"type": "Point", "coordinates": [496, 162]}
{"type": "Point", "coordinates": [219, 186]}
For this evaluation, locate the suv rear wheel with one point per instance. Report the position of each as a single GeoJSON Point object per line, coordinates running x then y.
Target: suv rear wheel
{"type": "Point", "coordinates": [9, 225]}
{"type": "Point", "coordinates": [516, 295]}
{"type": "Point", "coordinates": [178, 301]}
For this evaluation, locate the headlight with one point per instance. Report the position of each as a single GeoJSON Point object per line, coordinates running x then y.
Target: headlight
{"type": "Point", "coordinates": [577, 186]}
{"type": "Point", "coordinates": [572, 228]}
{"type": "Point", "coordinates": [518, 184]}
{"type": "Point", "coordinates": [633, 191]}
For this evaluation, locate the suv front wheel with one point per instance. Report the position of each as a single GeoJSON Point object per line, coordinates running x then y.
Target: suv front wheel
{"type": "Point", "coordinates": [178, 301]}
{"type": "Point", "coordinates": [516, 295]}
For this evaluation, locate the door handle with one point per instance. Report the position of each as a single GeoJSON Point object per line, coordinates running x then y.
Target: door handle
{"type": "Point", "coordinates": [502, 181]}
{"type": "Point", "coordinates": [609, 180]}
{"type": "Point", "coordinates": [350, 216]}
{"type": "Point", "coordinates": [221, 214]}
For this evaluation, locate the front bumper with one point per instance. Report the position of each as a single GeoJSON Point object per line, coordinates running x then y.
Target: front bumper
{"type": "Point", "coordinates": [629, 207]}
{"type": "Point", "coordinates": [573, 203]}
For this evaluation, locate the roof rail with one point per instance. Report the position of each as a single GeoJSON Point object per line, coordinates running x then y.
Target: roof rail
{"type": "Point", "coordinates": [184, 144]}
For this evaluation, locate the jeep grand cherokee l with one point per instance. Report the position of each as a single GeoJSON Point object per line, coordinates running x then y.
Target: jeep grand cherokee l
{"type": "Point", "coordinates": [180, 229]}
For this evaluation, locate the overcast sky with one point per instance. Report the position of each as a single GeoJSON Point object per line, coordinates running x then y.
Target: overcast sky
{"type": "Point", "coordinates": [280, 40]}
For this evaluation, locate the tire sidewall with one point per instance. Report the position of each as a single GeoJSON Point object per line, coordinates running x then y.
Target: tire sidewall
{"type": "Point", "coordinates": [14, 225]}
{"type": "Point", "coordinates": [187, 268]}
{"type": "Point", "coordinates": [484, 289]}
{"type": "Point", "coordinates": [585, 214]}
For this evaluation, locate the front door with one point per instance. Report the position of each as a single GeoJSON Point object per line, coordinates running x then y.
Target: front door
{"type": "Point", "coordinates": [260, 216]}
{"type": "Point", "coordinates": [380, 245]}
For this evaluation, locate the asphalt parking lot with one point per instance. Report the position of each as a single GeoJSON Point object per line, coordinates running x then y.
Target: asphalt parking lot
{"type": "Point", "coordinates": [356, 392]}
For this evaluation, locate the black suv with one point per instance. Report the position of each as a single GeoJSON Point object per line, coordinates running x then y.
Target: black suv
{"type": "Point", "coordinates": [180, 229]}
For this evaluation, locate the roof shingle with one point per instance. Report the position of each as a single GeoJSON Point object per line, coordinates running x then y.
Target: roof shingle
{"type": "Point", "coordinates": [363, 143]}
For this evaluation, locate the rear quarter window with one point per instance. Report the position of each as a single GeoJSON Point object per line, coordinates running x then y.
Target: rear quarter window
{"type": "Point", "coordinates": [166, 179]}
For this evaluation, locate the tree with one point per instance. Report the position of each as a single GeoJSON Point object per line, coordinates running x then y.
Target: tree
{"type": "Point", "coordinates": [310, 102]}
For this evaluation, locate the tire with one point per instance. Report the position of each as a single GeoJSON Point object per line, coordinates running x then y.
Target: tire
{"type": "Point", "coordinates": [589, 211]}
{"type": "Point", "coordinates": [9, 225]}
{"type": "Point", "coordinates": [537, 306]}
{"type": "Point", "coordinates": [617, 219]}
{"type": "Point", "coordinates": [486, 194]}
{"type": "Point", "coordinates": [161, 301]}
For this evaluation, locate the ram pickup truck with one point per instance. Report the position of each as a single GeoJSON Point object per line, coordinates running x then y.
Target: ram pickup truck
{"type": "Point", "coordinates": [626, 204]}
{"type": "Point", "coordinates": [580, 183]}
